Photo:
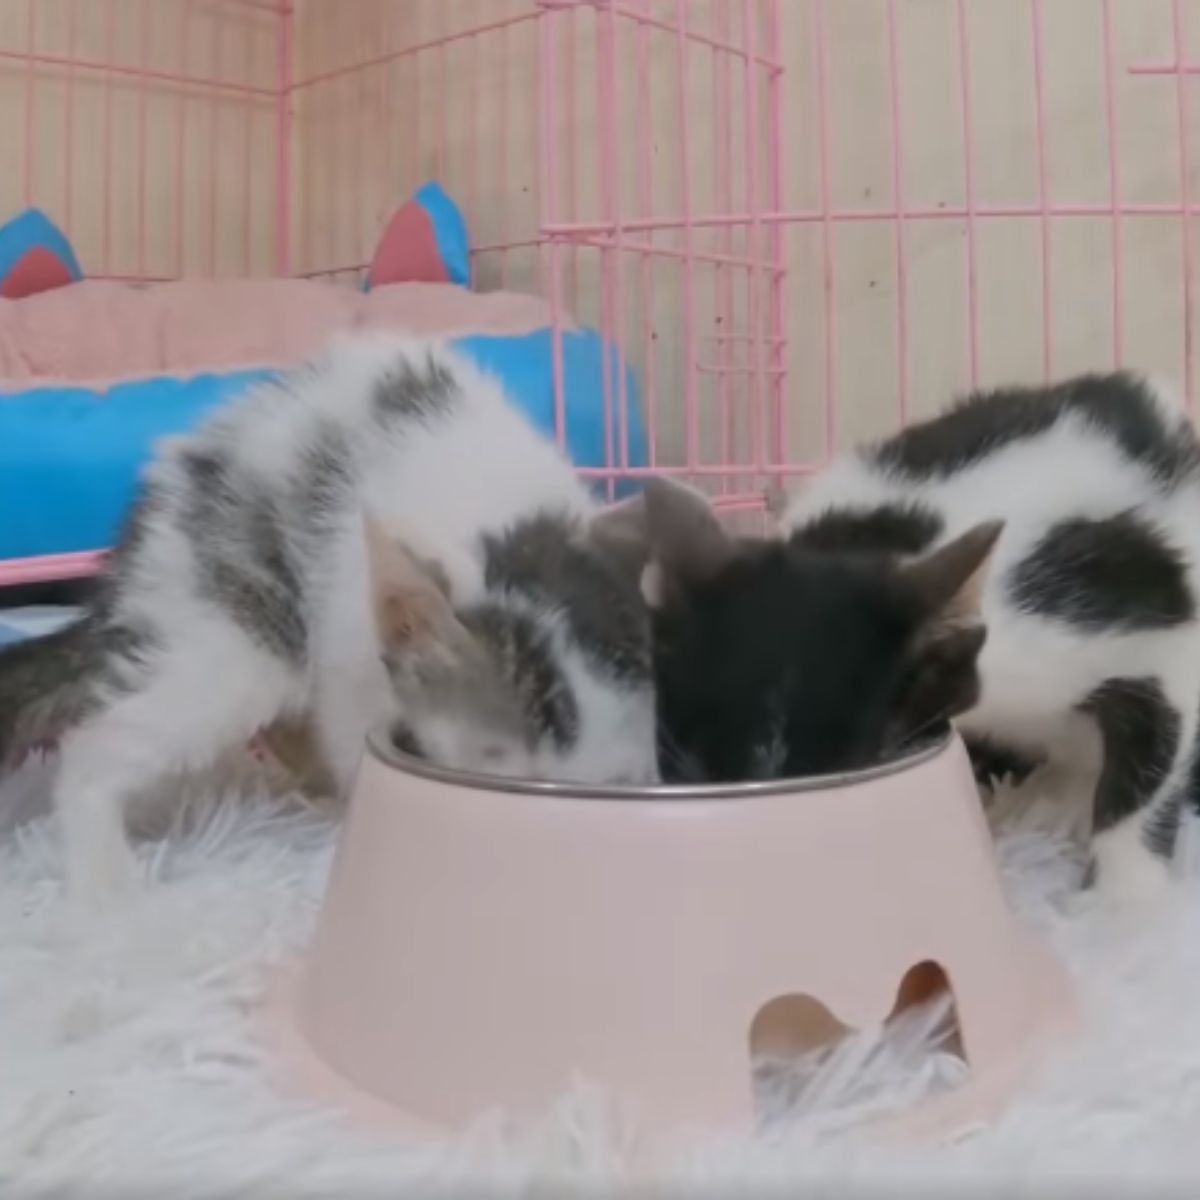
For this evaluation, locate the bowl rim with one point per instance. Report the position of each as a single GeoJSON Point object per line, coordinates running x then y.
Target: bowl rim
{"type": "Point", "coordinates": [380, 747]}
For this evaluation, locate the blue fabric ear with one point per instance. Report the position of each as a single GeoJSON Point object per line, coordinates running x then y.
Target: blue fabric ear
{"type": "Point", "coordinates": [450, 229]}
{"type": "Point", "coordinates": [71, 456]}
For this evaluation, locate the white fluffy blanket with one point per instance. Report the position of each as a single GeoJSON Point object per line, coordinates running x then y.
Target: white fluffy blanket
{"type": "Point", "coordinates": [130, 1062]}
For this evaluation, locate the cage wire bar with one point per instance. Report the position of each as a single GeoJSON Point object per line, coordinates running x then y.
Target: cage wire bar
{"type": "Point", "coordinates": [630, 160]}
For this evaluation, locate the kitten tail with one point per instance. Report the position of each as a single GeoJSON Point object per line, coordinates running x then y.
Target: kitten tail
{"type": "Point", "coordinates": [45, 686]}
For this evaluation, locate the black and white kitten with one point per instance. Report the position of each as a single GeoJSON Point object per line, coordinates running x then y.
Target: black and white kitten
{"type": "Point", "coordinates": [1027, 563]}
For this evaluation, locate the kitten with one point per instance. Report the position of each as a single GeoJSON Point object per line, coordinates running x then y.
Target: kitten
{"type": "Point", "coordinates": [773, 660]}
{"type": "Point", "coordinates": [379, 533]}
{"type": "Point", "coordinates": [1064, 521]}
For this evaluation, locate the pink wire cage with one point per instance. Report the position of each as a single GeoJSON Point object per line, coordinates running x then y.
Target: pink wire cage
{"type": "Point", "coordinates": [801, 222]}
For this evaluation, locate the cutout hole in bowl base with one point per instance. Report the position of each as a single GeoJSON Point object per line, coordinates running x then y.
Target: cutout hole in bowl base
{"type": "Point", "coordinates": [806, 1062]}
{"type": "Point", "coordinates": [807, 1065]}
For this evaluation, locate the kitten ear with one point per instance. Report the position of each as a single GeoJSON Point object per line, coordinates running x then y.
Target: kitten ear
{"type": "Point", "coordinates": [409, 597]}
{"type": "Point", "coordinates": [776, 500]}
{"type": "Point", "coordinates": [943, 676]}
{"type": "Point", "coordinates": [687, 541]}
{"type": "Point", "coordinates": [620, 531]}
{"type": "Point", "coordinates": [948, 582]}
{"type": "Point", "coordinates": [668, 533]}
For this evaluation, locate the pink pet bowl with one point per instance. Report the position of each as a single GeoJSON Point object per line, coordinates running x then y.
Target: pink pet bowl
{"type": "Point", "coordinates": [485, 941]}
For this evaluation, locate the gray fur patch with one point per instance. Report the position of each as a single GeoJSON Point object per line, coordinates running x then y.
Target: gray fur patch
{"type": "Point", "coordinates": [410, 392]}
{"type": "Point", "coordinates": [134, 531]}
{"type": "Point", "coordinates": [907, 528]}
{"type": "Point", "coordinates": [53, 683]}
{"type": "Point", "coordinates": [525, 662]}
{"type": "Point", "coordinates": [1141, 731]}
{"type": "Point", "coordinates": [1118, 405]}
{"type": "Point", "coordinates": [324, 480]}
{"type": "Point", "coordinates": [545, 559]}
{"type": "Point", "coordinates": [509, 682]}
{"type": "Point", "coordinates": [244, 563]}
{"type": "Point", "coordinates": [142, 514]}
{"type": "Point", "coordinates": [1111, 573]}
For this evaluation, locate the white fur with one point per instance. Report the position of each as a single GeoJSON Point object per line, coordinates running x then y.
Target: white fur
{"type": "Point", "coordinates": [134, 1058]}
{"type": "Point", "coordinates": [1132, 879]}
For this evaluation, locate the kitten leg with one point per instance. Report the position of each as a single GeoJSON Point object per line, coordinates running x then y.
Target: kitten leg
{"type": "Point", "coordinates": [1147, 742]}
{"type": "Point", "coordinates": [1126, 871]}
{"type": "Point", "coordinates": [90, 793]}
{"type": "Point", "coordinates": [293, 745]}
{"type": "Point", "coordinates": [350, 698]}
{"type": "Point", "coordinates": [190, 704]}
{"type": "Point", "coordinates": [993, 761]}
{"type": "Point", "coordinates": [1176, 801]}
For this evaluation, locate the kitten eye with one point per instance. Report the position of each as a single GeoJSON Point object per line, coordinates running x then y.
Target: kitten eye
{"type": "Point", "coordinates": [405, 740]}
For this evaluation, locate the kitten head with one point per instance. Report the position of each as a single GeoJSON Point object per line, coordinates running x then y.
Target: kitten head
{"type": "Point", "coordinates": [774, 660]}
{"type": "Point", "coordinates": [548, 676]}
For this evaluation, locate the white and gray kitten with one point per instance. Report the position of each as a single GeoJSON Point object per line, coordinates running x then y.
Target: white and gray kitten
{"type": "Point", "coordinates": [379, 534]}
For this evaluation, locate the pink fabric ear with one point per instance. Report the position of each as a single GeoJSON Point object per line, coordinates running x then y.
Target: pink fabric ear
{"type": "Point", "coordinates": [37, 270]}
{"type": "Point", "coordinates": [408, 251]}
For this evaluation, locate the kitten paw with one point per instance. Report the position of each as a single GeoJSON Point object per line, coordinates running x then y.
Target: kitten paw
{"type": "Point", "coordinates": [1124, 873]}
{"type": "Point", "coordinates": [101, 879]}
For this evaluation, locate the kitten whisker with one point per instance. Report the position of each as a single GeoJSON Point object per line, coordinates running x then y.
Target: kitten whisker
{"type": "Point", "coordinates": [916, 734]}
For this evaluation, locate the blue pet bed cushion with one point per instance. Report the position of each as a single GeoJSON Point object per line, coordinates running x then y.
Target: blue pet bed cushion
{"type": "Point", "coordinates": [70, 457]}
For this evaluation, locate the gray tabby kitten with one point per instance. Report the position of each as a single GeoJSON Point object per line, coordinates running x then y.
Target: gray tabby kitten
{"type": "Point", "coordinates": [380, 534]}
